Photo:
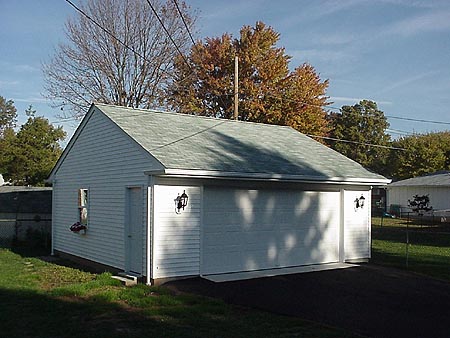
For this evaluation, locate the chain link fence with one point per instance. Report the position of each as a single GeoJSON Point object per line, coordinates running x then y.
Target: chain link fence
{"type": "Point", "coordinates": [421, 244]}
{"type": "Point", "coordinates": [7, 232]}
{"type": "Point", "coordinates": [25, 218]}
{"type": "Point", "coordinates": [26, 233]}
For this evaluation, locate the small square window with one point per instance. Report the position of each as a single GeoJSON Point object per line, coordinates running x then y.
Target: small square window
{"type": "Point", "coordinates": [83, 205]}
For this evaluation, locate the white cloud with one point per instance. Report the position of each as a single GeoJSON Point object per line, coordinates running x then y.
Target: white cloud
{"type": "Point", "coordinates": [322, 55]}
{"type": "Point", "coordinates": [19, 68]}
{"type": "Point", "coordinates": [430, 22]}
{"type": "Point", "coordinates": [334, 39]}
{"type": "Point", "coordinates": [407, 81]}
{"type": "Point", "coordinates": [25, 68]}
{"type": "Point", "coordinates": [344, 99]}
{"type": "Point", "coordinates": [353, 100]}
{"type": "Point", "coordinates": [330, 7]}
{"type": "Point", "coordinates": [5, 84]}
{"type": "Point", "coordinates": [418, 3]}
{"type": "Point", "coordinates": [31, 100]}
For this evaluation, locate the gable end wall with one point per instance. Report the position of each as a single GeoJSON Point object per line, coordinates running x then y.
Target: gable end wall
{"type": "Point", "coordinates": [106, 161]}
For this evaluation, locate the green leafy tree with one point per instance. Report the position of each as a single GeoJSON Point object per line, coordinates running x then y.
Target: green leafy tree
{"type": "Point", "coordinates": [268, 91]}
{"type": "Point", "coordinates": [362, 124]}
{"type": "Point", "coordinates": [8, 115]}
{"type": "Point", "coordinates": [423, 154]}
{"type": "Point", "coordinates": [32, 152]}
{"type": "Point", "coordinates": [6, 144]}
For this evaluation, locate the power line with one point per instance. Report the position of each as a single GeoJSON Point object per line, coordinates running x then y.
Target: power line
{"type": "Point", "coordinates": [79, 10]}
{"type": "Point", "coordinates": [305, 103]}
{"type": "Point", "coordinates": [168, 34]}
{"type": "Point", "coordinates": [355, 142]}
{"type": "Point", "coordinates": [192, 71]}
{"type": "Point", "coordinates": [417, 120]}
{"type": "Point", "coordinates": [372, 116]}
{"type": "Point", "coordinates": [184, 21]}
{"type": "Point", "coordinates": [399, 132]}
{"type": "Point", "coordinates": [191, 135]}
{"type": "Point", "coordinates": [106, 31]}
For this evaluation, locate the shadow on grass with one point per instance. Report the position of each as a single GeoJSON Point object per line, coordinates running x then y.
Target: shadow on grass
{"type": "Point", "coordinates": [26, 313]}
{"type": "Point", "coordinates": [25, 249]}
{"type": "Point", "coordinates": [414, 236]}
{"type": "Point", "coordinates": [138, 312]}
{"type": "Point", "coordinates": [433, 265]}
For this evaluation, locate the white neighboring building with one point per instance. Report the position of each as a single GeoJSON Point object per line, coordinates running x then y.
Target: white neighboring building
{"type": "Point", "coordinates": [435, 185]}
{"type": "Point", "coordinates": [258, 196]}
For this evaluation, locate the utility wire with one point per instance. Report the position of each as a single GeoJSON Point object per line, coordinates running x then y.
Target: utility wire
{"type": "Point", "coordinates": [193, 71]}
{"type": "Point", "coordinates": [168, 34]}
{"type": "Point", "coordinates": [399, 132]}
{"type": "Point", "coordinates": [188, 65]}
{"type": "Point", "coordinates": [417, 120]}
{"type": "Point", "coordinates": [305, 103]}
{"type": "Point", "coordinates": [184, 21]}
{"type": "Point", "coordinates": [355, 142]}
{"type": "Point", "coordinates": [371, 116]}
{"type": "Point", "coordinates": [123, 43]}
{"type": "Point", "coordinates": [106, 31]}
{"type": "Point", "coordinates": [191, 135]}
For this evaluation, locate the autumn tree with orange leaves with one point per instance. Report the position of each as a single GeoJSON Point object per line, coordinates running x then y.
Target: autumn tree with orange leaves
{"type": "Point", "coordinates": [268, 91]}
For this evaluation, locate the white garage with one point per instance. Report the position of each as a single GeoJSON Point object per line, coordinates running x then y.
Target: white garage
{"type": "Point", "coordinates": [169, 195]}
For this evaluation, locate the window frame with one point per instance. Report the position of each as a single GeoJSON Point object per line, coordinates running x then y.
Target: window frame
{"type": "Point", "coordinates": [83, 206]}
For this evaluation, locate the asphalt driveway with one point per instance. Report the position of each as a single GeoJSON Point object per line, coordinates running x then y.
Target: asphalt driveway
{"type": "Point", "coordinates": [369, 300]}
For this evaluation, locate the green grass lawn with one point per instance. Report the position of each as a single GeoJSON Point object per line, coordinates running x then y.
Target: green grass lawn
{"type": "Point", "coordinates": [40, 299]}
{"type": "Point", "coordinates": [428, 251]}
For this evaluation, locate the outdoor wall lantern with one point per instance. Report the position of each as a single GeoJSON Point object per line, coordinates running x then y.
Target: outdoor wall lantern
{"type": "Point", "coordinates": [359, 202]}
{"type": "Point", "coordinates": [181, 202]}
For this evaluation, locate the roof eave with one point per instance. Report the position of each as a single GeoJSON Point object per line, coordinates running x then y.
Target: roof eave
{"type": "Point", "coordinates": [193, 173]}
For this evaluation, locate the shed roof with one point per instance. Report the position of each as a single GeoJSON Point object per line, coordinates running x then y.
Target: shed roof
{"type": "Point", "coordinates": [188, 144]}
{"type": "Point", "coordinates": [20, 199]}
{"type": "Point", "coordinates": [439, 178]}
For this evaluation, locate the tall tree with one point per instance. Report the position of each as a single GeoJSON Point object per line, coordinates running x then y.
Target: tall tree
{"type": "Point", "coordinates": [122, 56]}
{"type": "Point", "coordinates": [362, 124]}
{"type": "Point", "coordinates": [6, 146]}
{"type": "Point", "coordinates": [424, 154]}
{"type": "Point", "coordinates": [8, 115]}
{"type": "Point", "coordinates": [32, 152]}
{"type": "Point", "coordinates": [268, 91]}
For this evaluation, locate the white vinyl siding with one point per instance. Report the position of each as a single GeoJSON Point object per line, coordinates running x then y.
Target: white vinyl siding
{"type": "Point", "coordinates": [439, 196]}
{"type": "Point", "coordinates": [356, 226]}
{"type": "Point", "coordinates": [176, 235]}
{"type": "Point", "coordinates": [104, 160]}
{"type": "Point", "coordinates": [247, 230]}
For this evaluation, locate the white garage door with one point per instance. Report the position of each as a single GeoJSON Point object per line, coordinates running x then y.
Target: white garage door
{"type": "Point", "coordinates": [247, 230]}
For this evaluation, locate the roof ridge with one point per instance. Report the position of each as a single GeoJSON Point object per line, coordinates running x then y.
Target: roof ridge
{"type": "Point", "coordinates": [193, 115]}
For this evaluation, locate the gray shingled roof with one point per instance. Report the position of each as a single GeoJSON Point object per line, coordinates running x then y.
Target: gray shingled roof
{"type": "Point", "coordinates": [188, 142]}
{"type": "Point", "coordinates": [440, 178]}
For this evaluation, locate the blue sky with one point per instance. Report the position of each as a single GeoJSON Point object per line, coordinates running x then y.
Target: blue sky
{"type": "Point", "coordinates": [395, 52]}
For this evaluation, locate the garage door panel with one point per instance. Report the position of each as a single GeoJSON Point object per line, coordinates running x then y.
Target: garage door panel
{"type": "Point", "coordinates": [270, 229]}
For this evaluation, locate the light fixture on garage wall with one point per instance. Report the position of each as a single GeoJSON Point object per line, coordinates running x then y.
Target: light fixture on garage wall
{"type": "Point", "coordinates": [359, 202]}
{"type": "Point", "coordinates": [181, 202]}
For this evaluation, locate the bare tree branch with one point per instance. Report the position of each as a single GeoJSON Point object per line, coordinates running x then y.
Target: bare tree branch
{"type": "Point", "coordinates": [117, 52]}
